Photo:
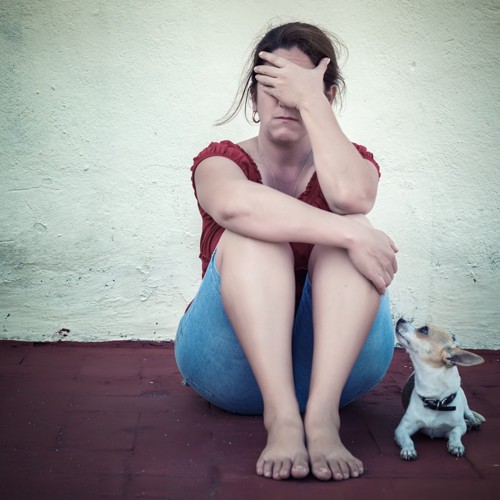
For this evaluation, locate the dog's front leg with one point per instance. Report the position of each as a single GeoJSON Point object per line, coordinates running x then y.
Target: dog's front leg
{"type": "Point", "coordinates": [402, 435]}
{"type": "Point", "coordinates": [455, 446]}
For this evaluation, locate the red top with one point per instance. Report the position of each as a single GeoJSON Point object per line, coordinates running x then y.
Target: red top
{"type": "Point", "coordinates": [211, 231]}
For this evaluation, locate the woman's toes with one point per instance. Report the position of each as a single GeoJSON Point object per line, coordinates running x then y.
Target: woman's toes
{"type": "Point", "coordinates": [285, 453]}
{"type": "Point", "coordinates": [268, 469]}
{"type": "Point", "coordinates": [338, 472]}
{"type": "Point", "coordinates": [321, 470]}
{"type": "Point", "coordinates": [300, 470]}
{"type": "Point", "coordinates": [285, 471]}
{"type": "Point", "coordinates": [277, 469]}
{"type": "Point", "coordinates": [346, 469]}
{"type": "Point", "coordinates": [356, 468]}
{"type": "Point", "coordinates": [259, 468]}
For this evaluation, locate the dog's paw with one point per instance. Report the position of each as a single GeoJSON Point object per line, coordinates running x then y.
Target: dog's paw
{"type": "Point", "coordinates": [456, 449]}
{"type": "Point", "coordinates": [408, 453]}
{"type": "Point", "coordinates": [474, 420]}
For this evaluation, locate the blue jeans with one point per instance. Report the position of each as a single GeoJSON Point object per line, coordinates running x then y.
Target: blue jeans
{"type": "Point", "coordinates": [212, 362]}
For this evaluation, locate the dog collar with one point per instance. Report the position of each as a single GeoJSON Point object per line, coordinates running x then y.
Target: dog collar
{"type": "Point", "coordinates": [439, 404]}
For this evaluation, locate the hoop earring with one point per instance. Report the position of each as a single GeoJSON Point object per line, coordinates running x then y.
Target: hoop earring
{"type": "Point", "coordinates": [254, 119]}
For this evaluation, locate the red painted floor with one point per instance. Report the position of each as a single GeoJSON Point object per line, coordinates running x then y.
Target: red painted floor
{"type": "Point", "coordinates": [88, 421]}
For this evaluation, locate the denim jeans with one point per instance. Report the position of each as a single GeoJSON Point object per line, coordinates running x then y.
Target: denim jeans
{"type": "Point", "coordinates": [212, 362]}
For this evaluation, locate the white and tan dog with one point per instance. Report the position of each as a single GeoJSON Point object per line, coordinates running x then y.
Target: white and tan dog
{"type": "Point", "coordinates": [437, 404]}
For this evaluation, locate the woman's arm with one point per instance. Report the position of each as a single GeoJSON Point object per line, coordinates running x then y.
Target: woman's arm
{"type": "Point", "coordinates": [260, 212]}
{"type": "Point", "coordinates": [348, 181]}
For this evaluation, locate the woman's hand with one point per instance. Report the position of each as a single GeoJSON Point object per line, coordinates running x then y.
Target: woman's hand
{"type": "Point", "coordinates": [373, 254]}
{"type": "Point", "coordinates": [288, 82]}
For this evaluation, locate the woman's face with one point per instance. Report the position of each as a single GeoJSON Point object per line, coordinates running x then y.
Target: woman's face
{"type": "Point", "coordinates": [280, 123]}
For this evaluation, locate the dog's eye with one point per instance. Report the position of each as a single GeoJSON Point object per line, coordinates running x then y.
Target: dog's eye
{"type": "Point", "coordinates": [424, 330]}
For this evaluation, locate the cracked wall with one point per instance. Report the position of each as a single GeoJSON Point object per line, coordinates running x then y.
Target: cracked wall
{"type": "Point", "coordinates": [104, 105]}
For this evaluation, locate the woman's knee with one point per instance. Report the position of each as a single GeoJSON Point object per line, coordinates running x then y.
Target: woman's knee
{"type": "Point", "coordinates": [332, 257]}
{"type": "Point", "coordinates": [251, 250]}
{"type": "Point", "coordinates": [326, 257]}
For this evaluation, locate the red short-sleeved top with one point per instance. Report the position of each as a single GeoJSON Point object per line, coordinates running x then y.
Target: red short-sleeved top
{"type": "Point", "coordinates": [211, 231]}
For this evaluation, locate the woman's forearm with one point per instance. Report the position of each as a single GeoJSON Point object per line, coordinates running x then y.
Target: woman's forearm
{"type": "Point", "coordinates": [263, 213]}
{"type": "Point", "coordinates": [348, 181]}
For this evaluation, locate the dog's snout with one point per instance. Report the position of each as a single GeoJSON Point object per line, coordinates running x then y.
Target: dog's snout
{"type": "Point", "coordinates": [400, 325]}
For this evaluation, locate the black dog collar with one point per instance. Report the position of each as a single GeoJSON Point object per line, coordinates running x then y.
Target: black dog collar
{"type": "Point", "coordinates": [439, 404]}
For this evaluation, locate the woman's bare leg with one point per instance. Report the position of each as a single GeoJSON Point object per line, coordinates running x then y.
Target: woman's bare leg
{"type": "Point", "coordinates": [345, 305]}
{"type": "Point", "coordinates": [258, 291]}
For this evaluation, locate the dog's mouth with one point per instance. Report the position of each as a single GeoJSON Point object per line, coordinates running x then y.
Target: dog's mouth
{"type": "Point", "coordinates": [402, 328]}
{"type": "Point", "coordinates": [402, 340]}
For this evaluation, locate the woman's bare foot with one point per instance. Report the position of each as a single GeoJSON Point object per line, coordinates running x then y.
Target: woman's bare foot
{"type": "Point", "coordinates": [285, 453]}
{"type": "Point", "coordinates": [329, 458]}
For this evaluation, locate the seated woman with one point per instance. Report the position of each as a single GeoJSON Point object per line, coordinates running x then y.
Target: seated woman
{"type": "Point", "coordinates": [292, 316]}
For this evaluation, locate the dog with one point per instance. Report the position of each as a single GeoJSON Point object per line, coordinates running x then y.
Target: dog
{"type": "Point", "coordinates": [434, 401]}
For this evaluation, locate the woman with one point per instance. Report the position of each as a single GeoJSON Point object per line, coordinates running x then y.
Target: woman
{"type": "Point", "coordinates": [292, 316]}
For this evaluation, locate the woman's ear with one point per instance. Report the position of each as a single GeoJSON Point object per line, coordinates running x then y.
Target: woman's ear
{"type": "Point", "coordinates": [331, 93]}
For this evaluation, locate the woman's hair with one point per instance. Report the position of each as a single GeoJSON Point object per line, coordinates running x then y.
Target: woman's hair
{"type": "Point", "coordinates": [315, 42]}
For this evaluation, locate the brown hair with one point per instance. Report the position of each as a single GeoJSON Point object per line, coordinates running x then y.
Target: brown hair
{"type": "Point", "coordinates": [315, 42]}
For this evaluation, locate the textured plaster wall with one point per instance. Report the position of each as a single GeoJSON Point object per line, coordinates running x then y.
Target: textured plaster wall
{"type": "Point", "coordinates": [104, 104]}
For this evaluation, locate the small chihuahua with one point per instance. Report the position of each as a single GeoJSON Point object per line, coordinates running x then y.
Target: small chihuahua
{"type": "Point", "coordinates": [437, 405]}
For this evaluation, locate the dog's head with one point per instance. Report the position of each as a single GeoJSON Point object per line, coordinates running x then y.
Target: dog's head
{"type": "Point", "coordinates": [433, 346]}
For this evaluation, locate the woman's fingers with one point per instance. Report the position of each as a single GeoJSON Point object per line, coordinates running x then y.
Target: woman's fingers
{"type": "Point", "coordinates": [287, 81]}
{"type": "Point", "coordinates": [390, 275]}
{"type": "Point", "coordinates": [275, 60]}
{"type": "Point", "coordinates": [281, 62]}
{"type": "Point", "coordinates": [382, 281]}
{"type": "Point", "coordinates": [391, 270]}
{"type": "Point", "coordinates": [393, 264]}
{"type": "Point", "coordinates": [273, 70]}
{"type": "Point", "coordinates": [380, 285]}
{"type": "Point", "coordinates": [266, 70]}
{"type": "Point", "coordinates": [374, 255]}
{"type": "Point", "coordinates": [267, 81]}
{"type": "Point", "coordinates": [323, 64]}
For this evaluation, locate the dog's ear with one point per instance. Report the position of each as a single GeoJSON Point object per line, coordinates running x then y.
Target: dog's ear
{"type": "Point", "coordinates": [455, 356]}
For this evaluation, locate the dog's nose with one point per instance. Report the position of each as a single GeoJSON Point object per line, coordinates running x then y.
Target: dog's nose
{"type": "Point", "coordinates": [401, 326]}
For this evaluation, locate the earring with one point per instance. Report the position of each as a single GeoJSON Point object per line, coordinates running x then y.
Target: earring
{"type": "Point", "coordinates": [254, 117]}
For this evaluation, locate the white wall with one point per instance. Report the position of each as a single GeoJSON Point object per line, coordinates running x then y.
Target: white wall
{"type": "Point", "coordinates": [105, 103]}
